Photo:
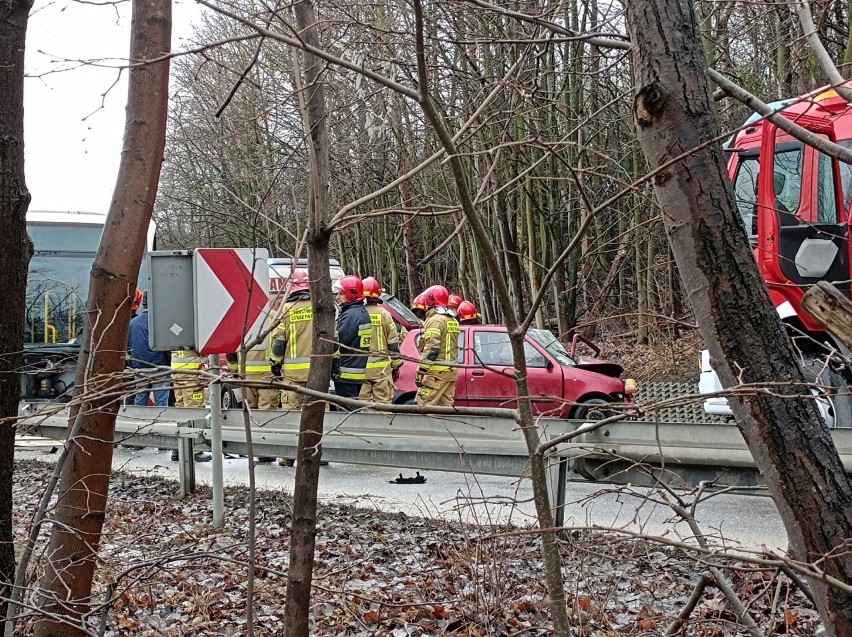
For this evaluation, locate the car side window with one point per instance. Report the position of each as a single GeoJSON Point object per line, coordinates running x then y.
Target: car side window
{"type": "Point", "coordinates": [533, 356]}
{"type": "Point", "coordinates": [494, 348]}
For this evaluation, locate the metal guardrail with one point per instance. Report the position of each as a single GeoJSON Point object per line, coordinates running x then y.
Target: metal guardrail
{"type": "Point", "coordinates": [635, 452]}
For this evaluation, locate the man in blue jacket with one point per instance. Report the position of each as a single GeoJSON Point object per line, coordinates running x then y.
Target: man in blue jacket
{"type": "Point", "coordinates": [151, 368]}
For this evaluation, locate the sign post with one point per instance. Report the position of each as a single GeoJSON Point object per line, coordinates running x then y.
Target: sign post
{"type": "Point", "coordinates": [231, 292]}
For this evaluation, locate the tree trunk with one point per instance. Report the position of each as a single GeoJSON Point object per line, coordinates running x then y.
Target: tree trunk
{"type": "Point", "coordinates": [304, 525]}
{"type": "Point", "coordinates": [66, 585]}
{"type": "Point", "coordinates": [747, 343]}
{"type": "Point", "coordinates": [15, 252]}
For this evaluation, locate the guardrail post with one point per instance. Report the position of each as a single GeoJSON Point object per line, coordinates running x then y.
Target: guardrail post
{"type": "Point", "coordinates": [216, 447]}
{"type": "Point", "coordinates": [186, 466]}
{"type": "Point", "coordinates": [557, 476]}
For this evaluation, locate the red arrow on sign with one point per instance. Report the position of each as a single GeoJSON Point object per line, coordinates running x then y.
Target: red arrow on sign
{"type": "Point", "coordinates": [222, 322]}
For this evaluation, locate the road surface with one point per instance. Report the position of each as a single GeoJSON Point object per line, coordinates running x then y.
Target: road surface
{"type": "Point", "coordinates": [747, 521]}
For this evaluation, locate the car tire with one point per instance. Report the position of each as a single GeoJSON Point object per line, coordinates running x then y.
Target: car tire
{"type": "Point", "coordinates": [835, 405]}
{"type": "Point", "coordinates": [592, 409]}
{"type": "Point", "coordinates": [229, 400]}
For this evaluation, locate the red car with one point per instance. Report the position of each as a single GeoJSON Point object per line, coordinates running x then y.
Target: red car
{"type": "Point", "coordinates": [560, 386]}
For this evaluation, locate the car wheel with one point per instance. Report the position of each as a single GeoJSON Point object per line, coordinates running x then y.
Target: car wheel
{"type": "Point", "coordinates": [833, 403]}
{"type": "Point", "coordinates": [592, 409]}
{"type": "Point", "coordinates": [229, 401]}
{"type": "Point", "coordinates": [406, 399]}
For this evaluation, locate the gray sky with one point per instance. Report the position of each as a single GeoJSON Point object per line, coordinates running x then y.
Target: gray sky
{"type": "Point", "coordinates": [74, 116]}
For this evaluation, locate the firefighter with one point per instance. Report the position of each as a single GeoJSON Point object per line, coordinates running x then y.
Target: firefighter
{"type": "Point", "coordinates": [136, 303]}
{"type": "Point", "coordinates": [418, 307]}
{"type": "Point", "coordinates": [257, 368]}
{"type": "Point", "coordinates": [188, 383]}
{"type": "Point", "coordinates": [436, 379]}
{"type": "Point", "coordinates": [292, 340]}
{"type": "Point", "coordinates": [468, 314]}
{"type": "Point", "coordinates": [453, 304]}
{"type": "Point", "coordinates": [384, 361]}
{"type": "Point", "coordinates": [354, 334]}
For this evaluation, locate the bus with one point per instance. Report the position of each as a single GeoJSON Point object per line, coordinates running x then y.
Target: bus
{"type": "Point", "coordinates": [65, 244]}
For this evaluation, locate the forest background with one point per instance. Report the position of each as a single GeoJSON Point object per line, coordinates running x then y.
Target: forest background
{"type": "Point", "coordinates": [543, 153]}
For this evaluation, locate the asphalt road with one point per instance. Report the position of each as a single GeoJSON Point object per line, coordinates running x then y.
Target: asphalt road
{"type": "Point", "coordinates": [745, 521]}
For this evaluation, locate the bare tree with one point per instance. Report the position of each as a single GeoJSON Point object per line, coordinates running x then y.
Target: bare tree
{"type": "Point", "coordinates": [65, 589]}
{"type": "Point", "coordinates": [15, 252]}
{"type": "Point", "coordinates": [677, 130]}
{"type": "Point", "coordinates": [303, 528]}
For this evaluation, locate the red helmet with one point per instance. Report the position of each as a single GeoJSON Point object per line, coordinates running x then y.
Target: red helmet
{"type": "Point", "coordinates": [299, 281]}
{"type": "Point", "coordinates": [351, 286]}
{"type": "Point", "coordinates": [437, 296]}
{"type": "Point", "coordinates": [372, 288]}
{"type": "Point", "coordinates": [454, 301]}
{"type": "Point", "coordinates": [467, 311]}
{"type": "Point", "coordinates": [137, 299]}
{"type": "Point", "coordinates": [419, 302]}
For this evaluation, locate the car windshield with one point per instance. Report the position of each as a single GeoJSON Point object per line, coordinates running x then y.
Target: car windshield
{"type": "Point", "coordinates": [548, 341]}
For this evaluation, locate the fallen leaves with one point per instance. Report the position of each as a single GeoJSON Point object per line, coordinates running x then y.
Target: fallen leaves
{"type": "Point", "coordinates": [386, 575]}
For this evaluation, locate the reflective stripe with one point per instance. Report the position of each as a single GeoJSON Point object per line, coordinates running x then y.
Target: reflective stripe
{"type": "Point", "coordinates": [439, 368]}
{"type": "Point", "coordinates": [185, 365]}
{"type": "Point", "coordinates": [452, 339]}
{"type": "Point", "coordinates": [378, 364]}
{"type": "Point", "coordinates": [352, 373]}
{"type": "Point", "coordinates": [296, 365]}
{"type": "Point", "coordinates": [257, 369]}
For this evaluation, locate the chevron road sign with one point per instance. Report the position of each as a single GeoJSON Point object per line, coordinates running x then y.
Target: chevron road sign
{"type": "Point", "coordinates": [231, 289]}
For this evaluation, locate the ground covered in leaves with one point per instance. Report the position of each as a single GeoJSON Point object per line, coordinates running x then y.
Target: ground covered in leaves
{"type": "Point", "coordinates": [166, 571]}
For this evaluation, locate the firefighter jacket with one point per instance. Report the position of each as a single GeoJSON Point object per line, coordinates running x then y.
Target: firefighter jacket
{"type": "Point", "coordinates": [187, 359]}
{"type": "Point", "coordinates": [354, 333]}
{"type": "Point", "coordinates": [439, 345]}
{"type": "Point", "coordinates": [292, 339]}
{"type": "Point", "coordinates": [257, 360]}
{"type": "Point", "coordinates": [384, 343]}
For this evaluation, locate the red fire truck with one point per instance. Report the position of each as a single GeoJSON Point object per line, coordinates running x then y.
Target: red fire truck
{"type": "Point", "coordinates": [795, 204]}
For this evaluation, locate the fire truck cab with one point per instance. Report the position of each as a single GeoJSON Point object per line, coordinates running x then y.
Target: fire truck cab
{"type": "Point", "coordinates": [794, 202]}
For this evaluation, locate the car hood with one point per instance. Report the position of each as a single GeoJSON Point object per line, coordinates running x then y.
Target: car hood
{"type": "Point", "coordinates": [600, 366]}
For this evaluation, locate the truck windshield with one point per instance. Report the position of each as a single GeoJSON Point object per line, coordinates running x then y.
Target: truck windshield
{"type": "Point", "coordinates": [548, 341]}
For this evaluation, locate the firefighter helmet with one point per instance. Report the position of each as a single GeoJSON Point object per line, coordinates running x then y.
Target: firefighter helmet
{"type": "Point", "coordinates": [137, 300]}
{"type": "Point", "coordinates": [454, 301]}
{"type": "Point", "coordinates": [351, 286]}
{"type": "Point", "coordinates": [419, 303]}
{"type": "Point", "coordinates": [437, 296]}
{"type": "Point", "coordinates": [299, 281]}
{"type": "Point", "coordinates": [467, 311]}
{"type": "Point", "coordinates": [372, 288]}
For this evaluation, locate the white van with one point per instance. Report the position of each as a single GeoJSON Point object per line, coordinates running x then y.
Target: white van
{"type": "Point", "coordinates": [280, 268]}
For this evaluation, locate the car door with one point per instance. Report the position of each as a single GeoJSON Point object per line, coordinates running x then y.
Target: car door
{"type": "Point", "coordinates": [491, 381]}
